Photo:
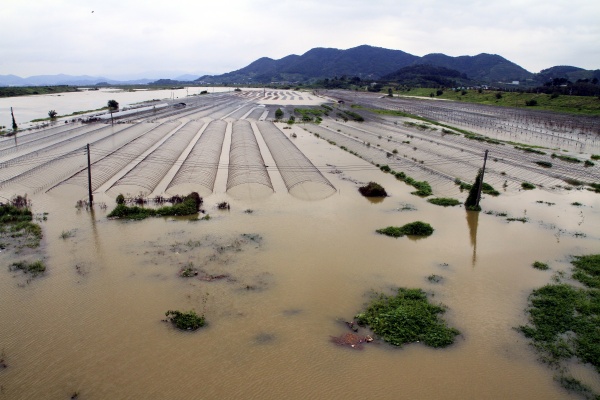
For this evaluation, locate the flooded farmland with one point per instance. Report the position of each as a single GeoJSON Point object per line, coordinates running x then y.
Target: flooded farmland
{"type": "Point", "coordinates": [293, 256]}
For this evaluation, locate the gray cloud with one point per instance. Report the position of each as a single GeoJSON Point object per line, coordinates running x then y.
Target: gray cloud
{"type": "Point", "coordinates": [131, 37]}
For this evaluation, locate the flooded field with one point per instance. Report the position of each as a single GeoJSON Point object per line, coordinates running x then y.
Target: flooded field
{"type": "Point", "coordinates": [294, 256]}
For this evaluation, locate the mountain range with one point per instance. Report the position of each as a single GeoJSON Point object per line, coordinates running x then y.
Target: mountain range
{"type": "Point", "coordinates": [375, 63]}
{"type": "Point", "coordinates": [365, 62]}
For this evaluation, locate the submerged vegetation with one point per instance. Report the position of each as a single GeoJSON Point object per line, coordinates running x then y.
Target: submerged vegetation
{"type": "Point", "coordinates": [186, 321]}
{"type": "Point", "coordinates": [417, 228]}
{"type": "Point", "coordinates": [16, 223]}
{"type": "Point", "coordinates": [35, 268]}
{"type": "Point", "coordinates": [189, 205]}
{"type": "Point", "coordinates": [564, 320]}
{"type": "Point", "coordinates": [407, 317]}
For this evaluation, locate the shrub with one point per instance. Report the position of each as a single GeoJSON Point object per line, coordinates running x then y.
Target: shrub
{"type": "Point", "coordinates": [185, 320]}
{"type": "Point", "coordinates": [120, 199]}
{"type": "Point", "coordinates": [531, 103]}
{"type": "Point", "coordinates": [372, 189]}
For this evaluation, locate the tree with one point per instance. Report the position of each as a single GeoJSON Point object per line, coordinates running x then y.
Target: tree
{"type": "Point", "coordinates": [471, 203]}
{"type": "Point", "coordinates": [113, 105]}
{"type": "Point", "coordinates": [52, 114]}
{"type": "Point", "coordinates": [278, 113]}
{"type": "Point", "coordinates": [390, 92]}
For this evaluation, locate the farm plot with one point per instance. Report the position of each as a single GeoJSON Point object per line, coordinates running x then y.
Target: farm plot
{"type": "Point", "coordinates": [247, 168]}
{"type": "Point", "coordinates": [299, 174]}
{"type": "Point", "coordinates": [153, 168]}
{"type": "Point", "coordinates": [111, 160]}
{"type": "Point", "coordinates": [201, 165]}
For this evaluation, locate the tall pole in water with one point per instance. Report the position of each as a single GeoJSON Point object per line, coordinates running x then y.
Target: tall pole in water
{"type": "Point", "coordinates": [90, 195]}
{"type": "Point", "coordinates": [481, 180]}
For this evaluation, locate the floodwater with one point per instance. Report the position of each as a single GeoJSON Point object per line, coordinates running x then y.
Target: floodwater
{"type": "Point", "coordinates": [92, 324]}
{"type": "Point", "coordinates": [27, 108]}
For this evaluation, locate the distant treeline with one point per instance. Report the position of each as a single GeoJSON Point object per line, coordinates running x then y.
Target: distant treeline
{"type": "Point", "coordinates": [29, 90]}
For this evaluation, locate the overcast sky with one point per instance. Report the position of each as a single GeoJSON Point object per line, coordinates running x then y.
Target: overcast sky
{"type": "Point", "coordinates": [129, 38]}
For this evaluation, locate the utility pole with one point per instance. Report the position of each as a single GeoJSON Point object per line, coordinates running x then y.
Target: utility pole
{"type": "Point", "coordinates": [90, 195]}
{"type": "Point", "coordinates": [481, 180]}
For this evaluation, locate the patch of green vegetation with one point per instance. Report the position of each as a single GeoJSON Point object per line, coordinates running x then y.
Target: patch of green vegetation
{"type": "Point", "coordinates": [522, 219]}
{"type": "Point", "coordinates": [16, 222]}
{"type": "Point", "coordinates": [372, 189]}
{"type": "Point", "coordinates": [595, 187]}
{"type": "Point", "coordinates": [417, 228]}
{"type": "Point", "coordinates": [540, 265]}
{"type": "Point", "coordinates": [310, 114]}
{"type": "Point", "coordinates": [527, 186]}
{"type": "Point", "coordinates": [595, 156]}
{"type": "Point", "coordinates": [587, 271]}
{"type": "Point", "coordinates": [444, 201]}
{"type": "Point", "coordinates": [433, 278]}
{"type": "Point", "coordinates": [588, 163]}
{"type": "Point", "coordinates": [575, 385]}
{"type": "Point", "coordinates": [529, 149]}
{"type": "Point", "coordinates": [189, 206]}
{"type": "Point", "coordinates": [423, 188]}
{"type": "Point", "coordinates": [564, 321]}
{"type": "Point", "coordinates": [566, 158]}
{"type": "Point", "coordinates": [576, 204]}
{"type": "Point", "coordinates": [35, 268]}
{"type": "Point", "coordinates": [587, 105]}
{"type": "Point", "coordinates": [187, 321]}
{"type": "Point", "coordinates": [407, 317]}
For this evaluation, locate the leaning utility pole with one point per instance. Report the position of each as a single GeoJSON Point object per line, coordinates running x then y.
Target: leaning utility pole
{"type": "Point", "coordinates": [481, 180]}
{"type": "Point", "coordinates": [90, 195]}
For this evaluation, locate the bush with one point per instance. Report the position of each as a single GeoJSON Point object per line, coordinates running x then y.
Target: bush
{"type": "Point", "coordinates": [372, 189]}
{"type": "Point", "coordinates": [120, 199]}
{"type": "Point", "coordinates": [531, 103]}
{"type": "Point", "coordinates": [189, 321]}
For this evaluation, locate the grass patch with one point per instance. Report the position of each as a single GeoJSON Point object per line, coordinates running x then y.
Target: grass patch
{"type": "Point", "coordinates": [372, 189]}
{"type": "Point", "coordinates": [587, 271]}
{"type": "Point", "coordinates": [444, 201]}
{"type": "Point", "coordinates": [187, 321]}
{"type": "Point", "coordinates": [407, 317]}
{"type": "Point", "coordinates": [540, 265]}
{"type": "Point", "coordinates": [417, 228]}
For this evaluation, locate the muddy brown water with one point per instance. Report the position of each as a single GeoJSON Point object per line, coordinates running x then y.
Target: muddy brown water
{"type": "Point", "coordinates": [92, 324]}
